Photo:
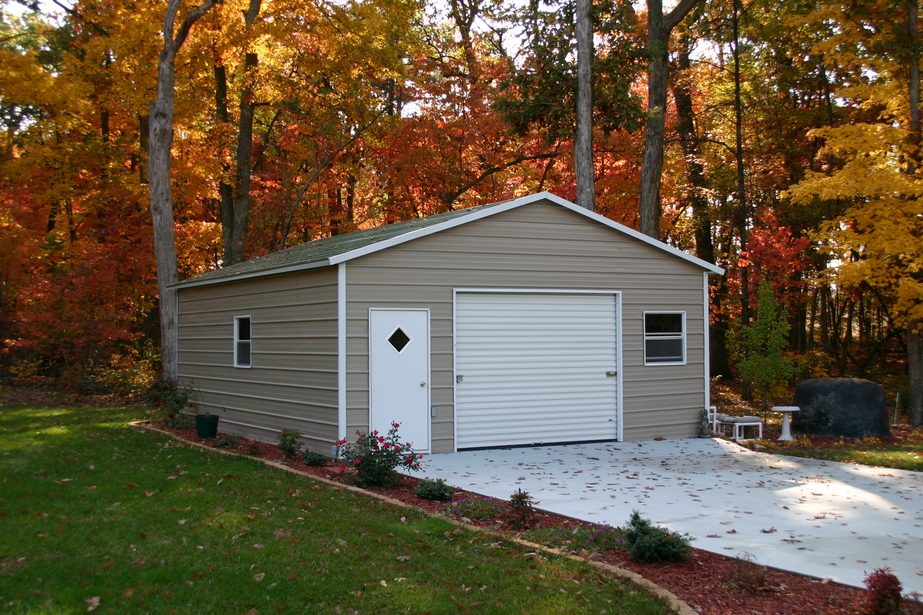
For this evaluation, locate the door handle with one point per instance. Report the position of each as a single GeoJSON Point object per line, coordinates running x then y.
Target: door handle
{"type": "Point", "coordinates": [422, 384]}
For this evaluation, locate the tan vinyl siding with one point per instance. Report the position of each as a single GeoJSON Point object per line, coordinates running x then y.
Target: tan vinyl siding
{"type": "Point", "coordinates": [542, 246]}
{"type": "Point", "coordinates": [293, 381]}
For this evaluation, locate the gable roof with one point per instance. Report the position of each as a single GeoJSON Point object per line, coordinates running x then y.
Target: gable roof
{"type": "Point", "coordinates": [329, 251]}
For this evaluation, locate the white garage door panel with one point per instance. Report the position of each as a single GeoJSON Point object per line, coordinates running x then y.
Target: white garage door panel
{"type": "Point", "coordinates": [533, 368]}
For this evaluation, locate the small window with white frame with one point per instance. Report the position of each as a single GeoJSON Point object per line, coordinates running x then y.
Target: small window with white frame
{"type": "Point", "coordinates": [242, 342]}
{"type": "Point", "coordinates": [664, 338]}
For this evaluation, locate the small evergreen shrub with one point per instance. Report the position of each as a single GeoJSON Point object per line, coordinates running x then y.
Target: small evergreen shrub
{"type": "Point", "coordinates": [375, 457]}
{"type": "Point", "coordinates": [226, 442]}
{"type": "Point", "coordinates": [520, 513]}
{"type": "Point", "coordinates": [289, 443]}
{"type": "Point", "coordinates": [434, 489]}
{"type": "Point", "coordinates": [884, 593]}
{"type": "Point", "coordinates": [650, 543]}
{"type": "Point", "coordinates": [313, 458]}
{"type": "Point", "coordinates": [254, 449]}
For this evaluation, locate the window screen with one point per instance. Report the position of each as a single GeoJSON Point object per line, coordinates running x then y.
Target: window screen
{"type": "Point", "coordinates": [242, 342]}
{"type": "Point", "coordinates": [664, 337]}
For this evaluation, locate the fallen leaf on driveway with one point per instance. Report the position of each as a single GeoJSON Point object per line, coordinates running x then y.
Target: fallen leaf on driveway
{"type": "Point", "coordinates": [769, 531]}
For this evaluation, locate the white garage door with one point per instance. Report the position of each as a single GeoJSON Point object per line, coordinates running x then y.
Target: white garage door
{"type": "Point", "coordinates": [534, 368]}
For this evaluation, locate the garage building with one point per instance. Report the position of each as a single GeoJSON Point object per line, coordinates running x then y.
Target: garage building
{"type": "Point", "coordinates": [531, 321]}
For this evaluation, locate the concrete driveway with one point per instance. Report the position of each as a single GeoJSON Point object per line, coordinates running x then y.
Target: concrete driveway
{"type": "Point", "coordinates": [819, 518]}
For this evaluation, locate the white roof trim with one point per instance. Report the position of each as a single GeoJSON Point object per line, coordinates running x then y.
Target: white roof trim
{"type": "Point", "coordinates": [192, 283]}
{"type": "Point", "coordinates": [513, 204]}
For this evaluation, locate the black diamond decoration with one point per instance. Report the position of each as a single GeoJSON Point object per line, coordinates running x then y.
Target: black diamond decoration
{"type": "Point", "coordinates": [399, 339]}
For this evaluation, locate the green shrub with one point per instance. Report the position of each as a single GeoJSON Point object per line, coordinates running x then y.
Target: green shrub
{"type": "Point", "coordinates": [520, 513]}
{"type": "Point", "coordinates": [313, 458]}
{"type": "Point", "coordinates": [226, 442]}
{"type": "Point", "coordinates": [650, 543]}
{"type": "Point", "coordinates": [254, 449]}
{"type": "Point", "coordinates": [169, 403]}
{"type": "Point", "coordinates": [434, 489]}
{"type": "Point", "coordinates": [375, 457]}
{"type": "Point", "coordinates": [290, 443]}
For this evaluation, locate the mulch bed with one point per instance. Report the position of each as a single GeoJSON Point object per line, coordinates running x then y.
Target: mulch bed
{"type": "Point", "coordinates": [704, 580]}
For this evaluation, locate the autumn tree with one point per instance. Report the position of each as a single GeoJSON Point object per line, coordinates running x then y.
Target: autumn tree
{"type": "Point", "coordinates": [659, 28]}
{"type": "Point", "coordinates": [877, 239]}
{"type": "Point", "coordinates": [159, 166]}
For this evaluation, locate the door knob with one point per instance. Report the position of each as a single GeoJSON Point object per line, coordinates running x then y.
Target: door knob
{"type": "Point", "coordinates": [422, 384]}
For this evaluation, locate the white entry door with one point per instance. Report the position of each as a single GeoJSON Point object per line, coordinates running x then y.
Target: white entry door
{"type": "Point", "coordinates": [399, 373]}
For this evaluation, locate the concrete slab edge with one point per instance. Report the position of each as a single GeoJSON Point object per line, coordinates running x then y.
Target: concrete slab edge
{"type": "Point", "coordinates": [674, 603]}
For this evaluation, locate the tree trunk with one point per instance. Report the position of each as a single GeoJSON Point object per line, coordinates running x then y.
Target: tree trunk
{"type": "Point", "coordinates": [915, 370]}
{"type": "Point", "coordinates": [742, 212]}
{"type": "Point", "coordinates": [241, 217]}
{"type": "Point", "coordinates": [688, 139]}
{"type": "Point", "coordinates": [161, 140]}
{"type": "Point", "coordinates": [915, 326]}
{"type": "Point", "coordinates": [583, 142]}
{"type": "Point", "coordinates": [658, 37]}
{"type": "Point", "coordinates": [159, 170]}
{"type": "Point", "coordinates": [225, 190]}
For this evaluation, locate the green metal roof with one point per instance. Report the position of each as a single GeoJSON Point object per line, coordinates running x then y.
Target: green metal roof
{"type": "Point", "coordinates": [318, 253]}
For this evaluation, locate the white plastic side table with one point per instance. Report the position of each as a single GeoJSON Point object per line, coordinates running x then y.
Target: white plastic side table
{"type": "Point", "coordinates": [786, 424]}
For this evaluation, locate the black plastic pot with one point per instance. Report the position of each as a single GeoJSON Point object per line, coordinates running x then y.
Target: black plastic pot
{"type": "Point", "coordinates": [206, 426]}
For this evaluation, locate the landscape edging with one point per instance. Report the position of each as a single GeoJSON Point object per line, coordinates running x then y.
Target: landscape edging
{"type": "Point", "coordinates": [680, 607]}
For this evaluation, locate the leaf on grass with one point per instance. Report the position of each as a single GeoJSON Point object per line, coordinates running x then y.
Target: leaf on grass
{"type": "Point", "coordinates": [149, 493]}
{"type": "Point", "coordinates": [280, 533]}
{"type": "Point", "coordinates": [292, 577]}
{"type": "Point", "coordinates": [259, 577]}
{"type": "Point", "coordinates": [258, 546]}
{"type": "Point", "coordinates": [109, 564]}
{"type": "Point", "coordinates": [92, 603]}
{"type": "Point", "coordinates": [131, 486]}
{"type": "Point", "coordinates": [182, 522]}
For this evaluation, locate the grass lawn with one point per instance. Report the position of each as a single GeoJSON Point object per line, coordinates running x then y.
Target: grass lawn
{"type": "Point", "coordinates": [905, 456]}
{"type": "Point", "coordinates": [95, 516]}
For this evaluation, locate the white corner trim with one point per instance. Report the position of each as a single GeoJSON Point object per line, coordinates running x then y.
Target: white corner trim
{"type": "Point", "coordinates": [707, 338]}
{"type": "Point", "coordinates": [341, 351]}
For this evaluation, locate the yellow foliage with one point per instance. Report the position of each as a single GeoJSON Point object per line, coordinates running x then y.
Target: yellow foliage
{"type": "Point", "coordinates": [877, 241]}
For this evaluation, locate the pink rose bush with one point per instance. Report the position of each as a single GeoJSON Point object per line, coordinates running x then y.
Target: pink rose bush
{"type": "Point", "coordinates": [375, 457]}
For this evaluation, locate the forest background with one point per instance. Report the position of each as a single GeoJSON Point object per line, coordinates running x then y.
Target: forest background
{"type": "Point", "coordinates": [791, 158]}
